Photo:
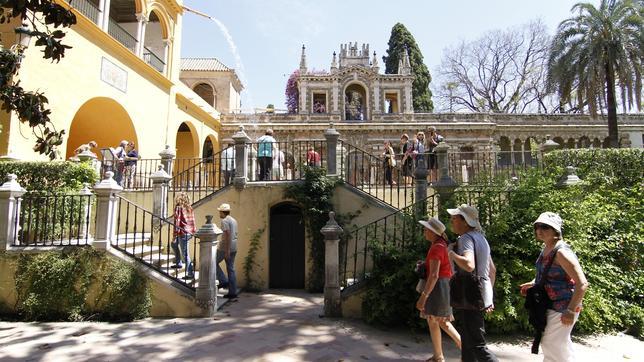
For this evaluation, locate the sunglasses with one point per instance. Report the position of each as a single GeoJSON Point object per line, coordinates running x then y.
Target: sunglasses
{"type": "Point", "coordinates": [542, 226]}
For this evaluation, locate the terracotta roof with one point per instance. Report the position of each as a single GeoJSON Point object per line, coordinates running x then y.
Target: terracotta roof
{"type": "Point", "coordinates": [203, 64]}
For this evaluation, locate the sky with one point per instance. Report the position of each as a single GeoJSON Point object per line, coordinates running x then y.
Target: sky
{"type": "Point", "coordinates": [268, 34]}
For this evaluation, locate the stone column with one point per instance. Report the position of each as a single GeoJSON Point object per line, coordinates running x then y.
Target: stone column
{"type": "Point", "coordinates": [242, 147]}
{"type": "Point", "coordinates": [445, 185]}
{"type": "Point", "coordinates": [331, 136]}
{"type": "Point", "coordinates": [167, 155]}
{"type": "Point", "coordinates": [101, 13]}
{"type": "Point", "coordinates": [332, 301]}
{"type": "Point", "coordinates": [106, 210]}
{"type": "Point", "coordinates": [139, 27]}
{"type": "Point", "coordinates": [10, 197]}
{"type": "Point", "coordinates": [420, 180]}
{"type": "Point", "coordinates": [206, 294]}
{"type": "Point", "coordinates": [87, 208]}
{"type": "Point", "coordinates": [106, 16]}
{"type": "Point", "coordinates": [160, 180]}
{"type": "Point", "coordinates": [166, 57]}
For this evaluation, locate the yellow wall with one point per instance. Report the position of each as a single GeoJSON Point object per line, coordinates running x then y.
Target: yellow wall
{"type": "Point", "coordinates": [77, 94]}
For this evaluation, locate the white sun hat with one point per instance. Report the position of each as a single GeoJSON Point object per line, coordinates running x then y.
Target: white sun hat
{"type": "Point", "coordinates": [551, 219]}
{"type": "Point", "coordinates": [224, 207]}
{"type": "Point", "coordinates": [433, 224]}
{"type": "Point", "coordinates": [469, 213]}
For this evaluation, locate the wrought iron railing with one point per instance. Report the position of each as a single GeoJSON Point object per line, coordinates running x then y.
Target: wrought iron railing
{"type": "Point", "coordinates": [395, 229]}
{"type": "Point", "coordinates": [86, 8]}
{"type": "Point", "coordinates": [284, 161]}
{"type": "Point", "coordinates": [152, 59]}
{"type": "Point", "coordinates": [376, 176]}
{"type": "Point", "coordinates": [148, 238]}
{"type": "Point", "coordinates": [121, 35]}
{"type": "Point", "coordinates": [54, 220]}
{"type": "Point", "coordinates": [481, 167]}
{"type": "Point", "coordinates": [200, 178]}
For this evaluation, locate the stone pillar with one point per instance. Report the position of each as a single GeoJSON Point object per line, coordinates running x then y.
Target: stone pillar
{"type": "Point", "coordinates": [106, 16]}
{"type": "Point", "coordinates": [87, 208]}
{"type": "Point", "coordinates": [10, 197]}
{"type": "Point", "coordinates": [547, 146]}
{"type": "Point", "coordinates": [569, 178]}
{"type": "Point", "coordinates": [332, 301]}
{"type": "Point", "coordinates": [101, 13]}
{"type": "Point", "coordinates": [445, 185]}
{"type": "Point", "coordinates": [206, 294]}
{"type": "Point", "coordinates": [139, 27]}
{"type": "Point", "coordinates": [166, 57]}
{"type": "Point", "coordinates": [331, 136]}
{"type": "Point", "coordinates": [167, 155]}
{"type": "Point", "coordinates": [242, 147]}
{"type": "Point", "coordinates": [106, 210]}
{"type": "Point", "coordinates": [160, 180]}
{"type": "Point", "coordinates": [89, 156]}
{"type": "Point", "coordinates": [420, 180]}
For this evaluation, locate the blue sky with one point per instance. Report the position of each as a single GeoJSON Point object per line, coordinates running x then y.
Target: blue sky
{"type": "Point", "coordinates": [269, 34]}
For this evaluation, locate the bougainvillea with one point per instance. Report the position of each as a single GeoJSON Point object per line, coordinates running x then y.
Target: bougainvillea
{"type": "Point", "coordinates": [292, 93]}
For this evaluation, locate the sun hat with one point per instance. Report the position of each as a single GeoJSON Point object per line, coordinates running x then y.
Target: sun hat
{"type": "Point", "coordinates": [224, 207]}
{"type": "Point", "coordinates": [124, 142]}
{"type": "Point", "coordinates": [551, 219]}
{"type": "Point", "coordinates": [433, 224]}
{"type": "Point", "coordinates": [469, 213]}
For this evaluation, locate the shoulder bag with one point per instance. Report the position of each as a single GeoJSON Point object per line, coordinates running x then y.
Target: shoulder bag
{"type": "Point", "coordinates": [537, 303]}
{"type": "Point", "coordinates": [465, 288]}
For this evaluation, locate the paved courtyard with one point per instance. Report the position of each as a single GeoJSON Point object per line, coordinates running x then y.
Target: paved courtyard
{"type": "Point", "coordinates": [271, 326]}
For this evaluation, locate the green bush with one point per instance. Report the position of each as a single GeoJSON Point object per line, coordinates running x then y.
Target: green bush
{"type": "Point", "coordinates": [602, 223]}
{"type": "Point", "coordinates": [57, 285]}
{"type": "Point", "coordinates": [52, 177]}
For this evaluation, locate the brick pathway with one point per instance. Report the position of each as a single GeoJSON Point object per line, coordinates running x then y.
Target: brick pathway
{"type": "Point", "coordinates": [275, 326]}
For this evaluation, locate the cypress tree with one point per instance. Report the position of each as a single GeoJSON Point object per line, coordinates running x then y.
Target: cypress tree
{"type": "Point", "coordinates": [400, 40]}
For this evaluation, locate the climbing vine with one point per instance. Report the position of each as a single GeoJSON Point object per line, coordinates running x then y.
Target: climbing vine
{"type": "Point", "coordinates": [250, 263]}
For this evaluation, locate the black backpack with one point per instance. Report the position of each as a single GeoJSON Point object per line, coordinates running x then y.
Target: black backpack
{"type": "Point", "coordinates": [537, 303]}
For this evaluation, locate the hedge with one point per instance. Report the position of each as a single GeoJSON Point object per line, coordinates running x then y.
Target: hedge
{"type": "Point", "coordinates": [51, 177]}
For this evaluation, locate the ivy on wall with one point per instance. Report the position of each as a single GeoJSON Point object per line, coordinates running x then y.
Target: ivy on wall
{"type": "Point", "coordinates": [253, 285]}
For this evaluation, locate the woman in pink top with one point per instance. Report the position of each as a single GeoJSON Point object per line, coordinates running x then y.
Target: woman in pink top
{"type": "Point", "coordinates": [434, 303]}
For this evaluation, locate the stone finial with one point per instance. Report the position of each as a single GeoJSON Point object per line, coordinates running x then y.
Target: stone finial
{"type": "Point", "coordinates": [569, 178]}
{"type": "Point", "coordinates": [160, 175]}
{"type": "Point", "coordinates": [334, 63]}
{"type": "Point", "coordinates": [549, 145]}
{"type": "Point", "coordinates": [303, 60]}
{"type": "Point", "coordinates": [331, 230]}
{"type": "Point", "coordinates": [108, 184]}
{"type": "Point", "coordinates": [208, 231]}
{"type": "Point", "coordinates": [12, 184]}
{"type": "Point", "coordinates": [85, 191]}
{"type": "Point", "coordinates": [167, 153]}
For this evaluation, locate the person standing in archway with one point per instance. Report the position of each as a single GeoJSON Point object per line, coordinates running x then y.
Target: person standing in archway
{"type": "Point", "coordinates": [227, 251]}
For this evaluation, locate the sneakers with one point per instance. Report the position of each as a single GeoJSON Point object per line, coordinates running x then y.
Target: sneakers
{"type": "Point", "coordinates": [223, 286]}
{"type": "Point", "coordinates": [188, 277]}
{"type": "Point", "coordinates": [230, 296]}
{"type": "Point", "coordinates": [176, 266]}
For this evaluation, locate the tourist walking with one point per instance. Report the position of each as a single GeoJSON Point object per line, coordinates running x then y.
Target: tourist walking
{"type": "Point", "coordinates": [565, 284]}
{"type": "Point", "coordinates": [227, 251]}
{"type": "Point", "coordinates": [418, 149]}
{"type": "Point", "coordinates": [433, 303]}
{"type": "Point", "coordinates": [389, 163]}
{"type": "Point", "coordinates": [472, 254]}
{"type": "Point", "coordinates": [130, 160]}
{"type": "Point", "coordinates": [265, 146]}
{"type": "Point", "coordinates": [184, 219]}
{"type": "Point", "coordinates": [406, 162]}
{"type": "Point", "coordinates": [228, 163]}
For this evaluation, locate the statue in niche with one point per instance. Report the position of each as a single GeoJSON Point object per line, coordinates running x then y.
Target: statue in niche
{"type": "Point", "coordinates": [354, 106]}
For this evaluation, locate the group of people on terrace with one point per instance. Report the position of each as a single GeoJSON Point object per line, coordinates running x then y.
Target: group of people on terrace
{"type": "Point", "coordinates": [123, 159]}
{"type": "Point", "coordinates": [412, 151]}
{"type": "Point", "coordinates": [448, 266]}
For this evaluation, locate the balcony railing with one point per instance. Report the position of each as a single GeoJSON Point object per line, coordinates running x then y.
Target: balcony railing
{"type": "Point", "coordinates": [152, 59]}
{"type": "Point", "coordinates": [86, 8]}
{"type": "Point", "coordinates": [121, 35]}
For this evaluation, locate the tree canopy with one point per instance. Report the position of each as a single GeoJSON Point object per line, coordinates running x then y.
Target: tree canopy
{"type": "Point", "coordinates": [401, 40]}
{"type": "Point", "coordinates": [594, 51]}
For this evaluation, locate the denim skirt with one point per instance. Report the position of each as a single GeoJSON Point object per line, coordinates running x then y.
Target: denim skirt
{"type": "Point", "coordinates": [438, 301]}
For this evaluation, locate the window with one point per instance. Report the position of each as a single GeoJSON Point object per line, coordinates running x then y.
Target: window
{"type": "Point", "coordinates": [391, 102]}
{"type": "Point", "coordinates": [319, 103]}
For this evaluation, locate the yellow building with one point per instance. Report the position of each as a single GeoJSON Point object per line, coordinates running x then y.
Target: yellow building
{"type": "Point", "coordinates": [120, 81]}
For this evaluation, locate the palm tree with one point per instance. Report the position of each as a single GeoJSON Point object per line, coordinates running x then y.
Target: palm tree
{"type": "Point", "coordinates": [593, 51]}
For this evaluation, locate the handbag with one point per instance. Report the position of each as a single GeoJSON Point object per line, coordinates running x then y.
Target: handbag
{"type": "Point", "coordinates": [537, 303]}
{"type": "Point", "coordinates": [465, 288]}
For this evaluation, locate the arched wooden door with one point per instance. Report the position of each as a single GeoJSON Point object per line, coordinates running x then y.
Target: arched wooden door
{"type": "Point", "coordinates": [286, 247]}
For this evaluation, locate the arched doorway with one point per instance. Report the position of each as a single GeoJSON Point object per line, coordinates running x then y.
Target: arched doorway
{"type": "Point", "coordinates": [154, 44]}
{"type": "Point", "coordinates": [91, 123]}
{"type": "Point", "coordinates": [505, 151]}
{"type": "Point", "coordinates": [187, 145]}
{"type": "Point", "coordinates": [286, 247]}
{"type": "Point", "coordinates": [355, 103]}
{"type": "Point", "coordinates": [207, 93]}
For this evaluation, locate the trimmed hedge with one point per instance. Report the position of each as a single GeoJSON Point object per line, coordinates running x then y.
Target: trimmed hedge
{"type": "Point", "coordinates": [602, 223]}
{"type": "Point", "coordinates": [52, 177]}
{"type": "Point", "coordinates": [78, 284]}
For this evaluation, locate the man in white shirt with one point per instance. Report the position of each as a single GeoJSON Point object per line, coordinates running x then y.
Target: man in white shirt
{"type": "Point", "coordinates": [228, 163]}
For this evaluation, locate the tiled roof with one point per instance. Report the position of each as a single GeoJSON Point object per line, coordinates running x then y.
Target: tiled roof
{"type": "Point", "coordinates": [203, 64]}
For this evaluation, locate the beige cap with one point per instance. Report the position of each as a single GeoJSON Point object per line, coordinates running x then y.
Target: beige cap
{"type": "Point", "coordinates": [469, 213]}
{"type": "Point", "coordinates": [551, 219]}
{"type": "Point", "coordinates": [224, 207]}
{"type": "Point", "coordinates": [433, 224]}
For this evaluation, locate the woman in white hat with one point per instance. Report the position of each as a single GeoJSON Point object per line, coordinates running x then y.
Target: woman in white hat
{"type": "Point", "coordinates": [565, 284]}
{"type": "Point", "coordinates": [433, 302]}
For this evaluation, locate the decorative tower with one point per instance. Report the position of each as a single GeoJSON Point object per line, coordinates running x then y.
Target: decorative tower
{"type": "Point", "coordinates": [334, 64]}
{"type": "Point", "coordinates": [374, 63]}
{"type": "Point", "coordinates": [404, 66]}
{"type": "Point", "coordinates": [303, 60]}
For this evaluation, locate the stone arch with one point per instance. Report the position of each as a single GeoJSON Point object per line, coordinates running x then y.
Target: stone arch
{"type": "Point", "coordinates": [606, 143]}
{"type": "Point", "coordinates": [353, 108]}
{"type": "Point", "coordinates": [583, 142]}
{"type": "Point", "coordinates": [505, 151]}
{"type": "Point", "coordinates": [156, 39]}
{"type": "Point", "coordinates": [210, 147]}
{"type": "Point", "coordinates": [527, 151]}
{"type": "Point", "coordinates": [206, 91]}
{"type": "Point", "coordinates": [90, 123]}
{"type": "Point", "coordinates": [597, 143]}
{"type": "Point", "coordinates": [162, 16]}
{"type": "Point", "coordinates": [571, 143]}
{"type": "Point", "coordinates": [560, 141]}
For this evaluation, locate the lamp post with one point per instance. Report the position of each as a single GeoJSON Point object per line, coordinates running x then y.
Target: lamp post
{"type": "Point", "coordinates": [23, 37]}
